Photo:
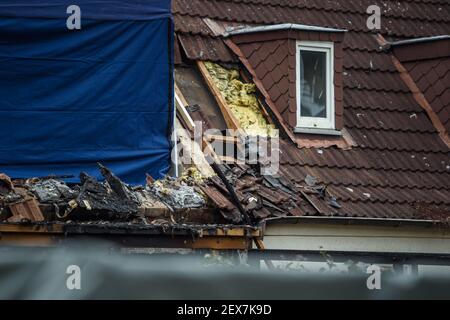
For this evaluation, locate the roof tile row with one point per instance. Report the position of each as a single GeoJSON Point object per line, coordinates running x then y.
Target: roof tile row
{"type": "Point", "coordinates": [369, 177]}
{"type": "Point", "coordinates": [257, 13]}
{"type": "Point", "coordinates": [358, 158]}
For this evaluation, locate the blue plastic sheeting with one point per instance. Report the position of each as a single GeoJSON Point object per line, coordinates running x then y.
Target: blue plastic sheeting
{"type": "Point", "coordinates": [72, 98]}
{"type": "Point", "coordinates": [90, 9]}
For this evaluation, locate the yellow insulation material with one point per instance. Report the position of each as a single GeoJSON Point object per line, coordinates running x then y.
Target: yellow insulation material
{"type": "Point", "coordinates": [192, 175]}
{"type": "Point", "coordinates": [241, 99]}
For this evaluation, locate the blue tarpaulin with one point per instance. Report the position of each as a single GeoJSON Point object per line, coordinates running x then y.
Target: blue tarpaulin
{"type": "Point", "coordinates": [72, 98]}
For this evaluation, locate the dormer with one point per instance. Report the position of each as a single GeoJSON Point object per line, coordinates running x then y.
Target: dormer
{"type": "Point", "coordinates": [301, 69]}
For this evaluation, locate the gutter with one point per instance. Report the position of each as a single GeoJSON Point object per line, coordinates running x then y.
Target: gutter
{"type": "Point", "coordinates": [351, 221]}
{"type": "Point", "coordinates": [280, 27]}
{"type": "Point", "coordinates": [419, 40]}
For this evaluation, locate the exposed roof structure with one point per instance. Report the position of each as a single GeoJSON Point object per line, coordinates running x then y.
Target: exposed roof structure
{"type": "Point", "coordinates": [399, 165]}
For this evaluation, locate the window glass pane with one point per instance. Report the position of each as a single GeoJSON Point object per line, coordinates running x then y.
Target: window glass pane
{"type": "Point", "coordinates": [313, 84]}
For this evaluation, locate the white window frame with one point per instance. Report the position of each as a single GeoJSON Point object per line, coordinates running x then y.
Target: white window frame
{"type": "Point", "coordinates": [328, 123]}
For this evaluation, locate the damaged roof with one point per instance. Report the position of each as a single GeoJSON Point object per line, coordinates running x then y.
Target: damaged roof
{"type": "Point", "coordinates": [398, 166]}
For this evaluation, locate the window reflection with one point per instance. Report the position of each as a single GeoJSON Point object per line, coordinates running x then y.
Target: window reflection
{"type": "Point", "coordinates": [313, 84]}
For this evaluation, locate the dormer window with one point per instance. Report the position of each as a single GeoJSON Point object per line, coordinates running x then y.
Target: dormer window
{"type": "Point", "coordinates": [299, 69]}
{"type": "Point", "coordinates": [315, 89]}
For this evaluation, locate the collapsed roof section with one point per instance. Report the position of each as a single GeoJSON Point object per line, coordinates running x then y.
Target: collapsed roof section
{"type": "Point", "coordinates": [394, 164]}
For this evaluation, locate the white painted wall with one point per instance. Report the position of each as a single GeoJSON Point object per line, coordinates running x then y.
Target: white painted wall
{"type": "Point", "coordinates": [361, 238]}
{"type": "Point", "coordinates": [356, 238]}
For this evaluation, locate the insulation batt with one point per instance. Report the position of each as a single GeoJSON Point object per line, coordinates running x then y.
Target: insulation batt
{"type": "Point", "coordinates": [241, 99]}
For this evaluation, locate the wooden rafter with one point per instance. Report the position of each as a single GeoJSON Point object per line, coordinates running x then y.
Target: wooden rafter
{"type": "Point", "coordinates": [181, 104]}
{"type": "Point", "coordinates": [230, 119]}
{"type": "Point", "coordinates": [199, 151]}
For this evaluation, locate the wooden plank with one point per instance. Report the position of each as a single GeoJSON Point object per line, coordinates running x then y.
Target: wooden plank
{"type": "Point", "coordinates": [49, 240]}
{"type": "Point", "coordinates": [236, 232]}
{"type": "Point", "coordinates": [30, 239]}
{"type": "Point", "coordinates": [51, 235]}
{"type": "Point", "coordinates": [229, 139]}
{"type": "Point", "coordinates": [31, 228]}
{"type": "Point", "coordinates": [221, 243]}
{"type": "Point", "coordinates": [180, 95]}
{"type": "Point", "coordinates": [260, 245]}
{"type": "Point", "coordinates": [237, 141]}
{"type": "Point", "coordinates": [204, 149]}
{"type": "Point", "coordinates": [217, 29]}
{"type": "Point", "coordinates": [181, 104]}
{"type": "Point", "coordinates": [230, 119]}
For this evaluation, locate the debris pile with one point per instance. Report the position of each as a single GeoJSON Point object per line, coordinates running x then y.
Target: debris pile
{"type": "Point", "coordinates": [243, 194]}
{"type": "Point", "coordinates": [6, 185]}
{"type": "Point", "coordinates": [259, 196]}
{"type": "Point", "coordinates": [319, 197]}
{"type": "Point", "coordinates": [16, 204]}
{"type": "Point", "coordinates": [51, 190]}
{"type": "Point", "coordinates": [238, 194]}
{"type": "Point", "coordinates": [111, 199]}
{"type": "Point", "coordinates": [182, 193]}
{"type": "Point", "coordinates": [50, 199]}
{"type": "Point", "coordinates": [178, 196]}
